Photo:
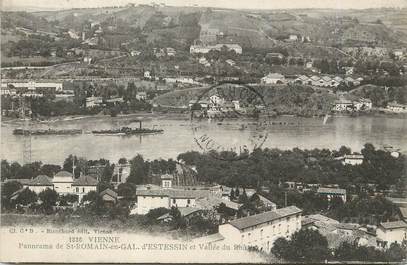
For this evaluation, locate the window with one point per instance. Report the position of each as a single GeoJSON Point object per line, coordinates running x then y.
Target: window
{"type": "Point", "coordinates": [174, 201]}
{"type": "Point", "coordinates": [188, 201]}
{"type": "Point", "coordinates": [83, 190]}
{"type": "Point", "coordinates": [77, 189]}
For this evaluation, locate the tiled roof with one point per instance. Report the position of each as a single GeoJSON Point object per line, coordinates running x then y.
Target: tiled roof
{"type": "Point", "coordinates": [331, 190]}
{"type": "Point", "coordinates": [253, 220]}
{"type": "Point", "coordinates": [40, 180]}
{"type": "Point", "coordinates": [21, 181]}
{"type": "Point", "coordinates": [185, 211]}
{"type": "Point", "coordinates": [403, 212]}
{"type": "Point", "coordinates": [209, 202]}
{"type": "Point", "coordinates": [63, 174]}
{"type": "Point", "coordinates": [393, 225]}
{"type": "Point", "coordinates": [109, 192]}
{"type": "Point", "coordinates": [85, 181]}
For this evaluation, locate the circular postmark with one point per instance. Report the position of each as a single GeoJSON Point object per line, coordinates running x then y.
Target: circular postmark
{"type": "Point", "coordinates": [229, 120]}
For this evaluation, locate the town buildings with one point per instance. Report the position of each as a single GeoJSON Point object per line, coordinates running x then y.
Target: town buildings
{"type": "Point", "coordinates": [261, 230]}
{"type": "Point", "coordinates": [62, 182]}
{"type": "Point", "coordinates": [32, 85]}
{"type": "Point", "coordinates": [396, 107]}
{"type": "Point", "coordinates": [392, 232]}
{"type": "Point", "coordinates": [83, 185]}
{"type": "Point", "coordinates": [332, 193]}
{"type": "Point", "coordinates": [273, 78]}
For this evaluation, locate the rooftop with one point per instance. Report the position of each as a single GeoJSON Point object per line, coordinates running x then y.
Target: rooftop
{"type": "Point", "coordinates": [185, 211]}
{"type": "Point", "coordinates": [394, 225]}
{"type": "Point", "coordinates": [41, 180]}
{"type": "Point", "coordinates": [85, 181]}
{"type": "Point", "coordinates": [332, 190]}
{"type": "Point", "coordinates": [253, 220]}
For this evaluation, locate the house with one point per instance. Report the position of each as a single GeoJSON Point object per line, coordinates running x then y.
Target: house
{"type": "Point", "coordinates": [332, 193]}
{"type": "Point", "coordinates": [195, 49]}
{"type": "Point", "coordinates": [62, 182]}
{"type": "Point", "coordinates": [230, 62]}
{"type": "Point", "coordinates": [186, 212]}
{"type": "Point", "coordinates": [203, 104]}
{"type": "Point", "coordinates": [293, 37]}
{"type": "Point", "coordinates": [135, 53]}
{"type": "Point", "coordinates": [353, 159]}
{"type": "Point", "coordinates": [343, 105]}
{"type": "Point", "coordinates": [266, 202]}
{"type": "Point", "coordinates": [147, 75]}
{"type": "Point", "coordinates": [216, 100]}
{"type": "Point", "coordinates": [211, 202]}
{"type": "Point", "coordinates": [403, 213]}
{"type": "Point", "coordinates": [363, 104]}
{"type": "Point", "coordinates": [109, 196]}
{"type": "Point", "coordinates": [83, 185]}
{"type": "Point", "coordinates": [92, 102]}
{"type": "Point", "coordinates": [303, 80]}
{"type": "Point", "coordinates": [167, 181]}
{"type": "Point", "coordinates": [392, 232]}
{"type": "Point", "coordinates": [167, 197]}
{"type": "Point", "coordinates": [397, 108]}
{"type": "Point", "coordinates": [274, 55]}
{"type": "Point", "coordinates": [40, 183]}
{"type": "Point", "coordinates": [261, 230]}
{"type": "Point", "coordinates": [32, 85]}
{"type": "Point", "coordinates": [141, 95]}
{"type": "Point", "coordinates": [309, 64]}
{"type": "Point", "coordinates": [398, 53]}
{"type": "Point", "coordinates": [348, 70]}
{"type": "Point", "coordinates": [171, 51]}
{"type": "Point", "coordinates": [273, 78]}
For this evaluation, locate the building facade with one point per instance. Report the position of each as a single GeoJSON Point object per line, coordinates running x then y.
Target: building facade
{"type": "Point", "coordinates": [261, 230]}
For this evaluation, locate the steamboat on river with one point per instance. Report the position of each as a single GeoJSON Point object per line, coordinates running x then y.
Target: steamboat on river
{"type": "Point", "coordinates": [125, 131]}
{"type": "Point", "coordinates": [47, 132]}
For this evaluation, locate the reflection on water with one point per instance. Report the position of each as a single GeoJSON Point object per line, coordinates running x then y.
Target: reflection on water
{"type": "Point", "coordinates": [178, 137]}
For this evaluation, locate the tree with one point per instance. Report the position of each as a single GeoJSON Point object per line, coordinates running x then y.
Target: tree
{"type": "Point", "coordinates": [5, 170]}
{"type": "Point", "coordinates": [305, 246]}
{"type": "Point", "coordinates": [153, 214]}
{"type": "Point", "coordinates": [396, 253]}
{"type": "Point", "coordinates": [90, 197]}
{"type": "Point", "coordinates": [26, 197]}
{"type": "Point", "coordinates": [138, 170]}
{"type": "Point", "coordinates": [177, 220]}
{"type": "Point", "coordinates": [127, 190]}
{"type": "Point", "coordinates": [50, 170]}
{"type": "Point", "coordinates": [9, 188]}
{"type": "Point", "coordinates": [49, 198]}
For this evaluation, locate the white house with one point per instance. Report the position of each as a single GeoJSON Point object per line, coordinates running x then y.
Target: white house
{"type": "Point", "coordinates": [397, 108]}
{"type": "Point", "coordinates": [141, 95]}
{"type": "Point", "coordinates": [40, 183]}
{"type": "Point", "coordinates": [392, 232]}
{"type": "Point", "coordinates": [194, 49]}
{"type": "Point", "coordinates": [147, 75]}
{"type": "Point", "coordinates": [216, 100]}
{"type": "Point", "coordinates": [261, 230]}
{"type": "Point", "coordinates": [273, 78]}
{"type": "Point", "coordinates": [33, 85]}
{"type": "Point", "coordinates": [353, 159]}
{"type": "Point", "coordinates": [332, 192]}
{"type": "Point", "coordinates": [93, 102]}
{"type": "Point", "coordinates": [63, 181]}
{"type": "Point", "coordinates": [83, 185]}
{"type": "Point", "coordinates": [343, 105]}
{"type": "Point", "coordinates": [363, 104]}
{"type": "Point", "coordinates": [167, 197]}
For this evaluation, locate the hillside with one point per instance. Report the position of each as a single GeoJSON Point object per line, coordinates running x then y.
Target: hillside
{"type": "Point", "coordinates": [379, 96]}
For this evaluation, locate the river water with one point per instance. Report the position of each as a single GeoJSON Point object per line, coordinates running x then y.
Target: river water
{"type": "Point", "coordinates": [178, 136]}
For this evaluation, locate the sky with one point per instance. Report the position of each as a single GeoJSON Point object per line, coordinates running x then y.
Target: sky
{"type": "Point", "coordinates": [237, 4]}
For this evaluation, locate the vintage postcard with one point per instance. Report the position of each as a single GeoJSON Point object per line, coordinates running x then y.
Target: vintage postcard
{"type": "Point", "coordinates": [203, 131]}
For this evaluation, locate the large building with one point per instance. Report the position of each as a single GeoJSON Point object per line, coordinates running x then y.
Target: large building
{"type": "Point", "coordinates": [261, 230]}
{"type": "Point", "coordinates": [62, 182]}
{"type": "Point", "coordinates": [273, 78]}
{"type": "Point", "coordinates": [195, 49]}
{"type": "Point", "coordinates": [33, 85]}
{"type": "Point", "coordinates": [83, 185]}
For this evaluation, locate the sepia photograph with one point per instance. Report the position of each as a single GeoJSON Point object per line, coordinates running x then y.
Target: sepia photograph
{"type": "Point", "coordinates": [203, 131]}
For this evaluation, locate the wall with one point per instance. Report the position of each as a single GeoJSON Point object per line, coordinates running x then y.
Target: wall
{"type": "Point", "coordinates": [146, 203]}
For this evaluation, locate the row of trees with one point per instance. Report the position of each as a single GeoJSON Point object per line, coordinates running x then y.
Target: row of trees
{"type": "Point", "coordinates": [310, 246]}
{"type": "Point", "coordinates": [273, 166]}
